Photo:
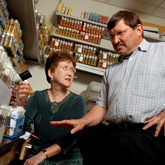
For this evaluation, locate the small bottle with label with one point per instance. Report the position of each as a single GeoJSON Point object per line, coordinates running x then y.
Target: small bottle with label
{"type": "Point", "coordinates": [31, 93]}
{"type": "Point", "coordinates": [99, 63]}
{"type": "Point", "coordinates": [95, 60]}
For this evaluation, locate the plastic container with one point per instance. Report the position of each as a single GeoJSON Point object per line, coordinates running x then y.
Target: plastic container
{"type": "Point", "coordinates": [14, 125]}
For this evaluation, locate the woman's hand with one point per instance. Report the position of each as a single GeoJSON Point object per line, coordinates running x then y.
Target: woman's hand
{"type": "Point", "coordinates": [159, 120]}
{"type": "Point", "coordinates": [35, 159]}
{"type": "Point", "coordinates": [22, 93]}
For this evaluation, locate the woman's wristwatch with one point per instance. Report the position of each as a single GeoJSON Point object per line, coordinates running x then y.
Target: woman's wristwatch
{"type": "Point", "coordinates": [45, 152]}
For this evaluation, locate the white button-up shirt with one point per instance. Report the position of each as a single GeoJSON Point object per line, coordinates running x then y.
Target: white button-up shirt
{"type": "Point", "coordinates": [134, 90]}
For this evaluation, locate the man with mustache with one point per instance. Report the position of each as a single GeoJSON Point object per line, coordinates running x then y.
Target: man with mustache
{"type": "Point", "coordinates": [132, 97]}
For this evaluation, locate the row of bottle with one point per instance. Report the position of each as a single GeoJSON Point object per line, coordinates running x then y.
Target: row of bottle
{"type": "Point", "coordinates": [86, 59]}
{"type": "Point", "coordinates": [8, 40]}
{"type": "Point", "coordinates": [84, 49]}
{"type": "Point", "coordinates": [93, 29]}
{"type": "Point", "coordinates": [57, 44]}
{"type": "Point", "coordinates": [79, 35]}
{"type": "Point", "coordinates": [13, 29]}
{"type": "Point", "coordinates": [13, 26]}
{"type": "Point", "coordinates": [93, 60]}
{"type": "Point", "coordinates": [78, 25]}
{"type": "Point", "coordinates": [71, 23]}
{"type": "Point", "coordinates": [96, 39]}
{"type": "Point", "coordinates": [67, 32]}
{"type": "Point", "coordinates": [61, 44]}
{"type": "Point", "coordinates": [108, 56]}
{"type": "Point", "coordinates": [103, 64]}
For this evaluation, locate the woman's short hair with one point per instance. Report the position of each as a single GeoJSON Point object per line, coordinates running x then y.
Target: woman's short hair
{"type": "Point", "coordinates": [130, 19]}
{"type": "Point", "coordinates": [54, 59]}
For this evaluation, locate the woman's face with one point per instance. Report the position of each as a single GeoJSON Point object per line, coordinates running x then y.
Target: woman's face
{"type": "Point", "coordinates": [63, 74]}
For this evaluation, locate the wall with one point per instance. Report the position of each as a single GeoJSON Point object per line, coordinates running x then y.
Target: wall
{"type": "Point", "coordinates": [38, 81]}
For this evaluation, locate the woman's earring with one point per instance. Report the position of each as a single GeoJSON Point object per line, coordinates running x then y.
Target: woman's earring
{"type": "Point", "coordinates": [51, 79]}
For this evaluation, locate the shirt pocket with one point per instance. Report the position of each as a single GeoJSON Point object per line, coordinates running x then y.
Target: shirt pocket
{"type": "Point", "coordinates": [147, 84]}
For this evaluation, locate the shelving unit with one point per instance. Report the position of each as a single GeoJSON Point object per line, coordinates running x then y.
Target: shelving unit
{"type": "Point", "coordinates": [104, 46]}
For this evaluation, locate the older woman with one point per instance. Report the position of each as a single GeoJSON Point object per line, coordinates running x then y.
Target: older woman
{"type": "Point", "coordinates": [54, 146]}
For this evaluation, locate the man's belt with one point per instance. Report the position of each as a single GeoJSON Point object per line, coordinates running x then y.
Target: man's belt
{"type": "Point", "coordinates": [127, 126]}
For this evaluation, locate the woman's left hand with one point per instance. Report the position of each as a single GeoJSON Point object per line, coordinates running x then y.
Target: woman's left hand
{"type": "Point", "coordinates": [159, 120]}
{"type": "Point", "coordinates": [35, 159]}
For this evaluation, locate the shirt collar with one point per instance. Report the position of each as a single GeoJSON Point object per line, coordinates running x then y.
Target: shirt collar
{"type": "Point", "coordinates": [142, 47]}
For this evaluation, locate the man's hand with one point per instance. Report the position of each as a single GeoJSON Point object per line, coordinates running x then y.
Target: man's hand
{"type": "Point", "coordinates": [73, 125]}
{"type": "Point", "coordinates": [159, 120]}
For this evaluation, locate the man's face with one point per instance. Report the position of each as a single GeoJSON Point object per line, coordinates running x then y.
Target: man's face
{"type": "Point", "coordinates": [124, 39]}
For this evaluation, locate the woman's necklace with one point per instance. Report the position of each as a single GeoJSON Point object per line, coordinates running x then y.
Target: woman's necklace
{"type": "Point", "coordinates": [52, 99]}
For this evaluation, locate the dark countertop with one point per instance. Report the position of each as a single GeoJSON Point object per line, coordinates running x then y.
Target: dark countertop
{"type": "Point", "coordinates": [8, 143]}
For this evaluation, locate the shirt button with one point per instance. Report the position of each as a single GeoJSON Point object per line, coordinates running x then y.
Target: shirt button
{"type": "Point", "coordinates": [123, 84]}
{"type": "Point", "coordinates": [119, 99]}
{"type": "Point", "coordinates": [118, 116]}
{"type": "Point", "coordinates": [127, 72]}
{"type": "Point", "coordinates": [130, 58]}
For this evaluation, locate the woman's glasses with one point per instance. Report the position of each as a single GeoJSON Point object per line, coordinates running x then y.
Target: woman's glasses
{"type": "Point", "coordinates": [65, 68]}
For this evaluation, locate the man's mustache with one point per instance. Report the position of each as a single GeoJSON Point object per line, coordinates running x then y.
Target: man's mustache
{"type": "Point", "coordinates": [119, 43]}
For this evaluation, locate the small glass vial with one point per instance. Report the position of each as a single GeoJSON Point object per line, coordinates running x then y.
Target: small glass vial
{"type": "Point", "coordinates": [31, 93]}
